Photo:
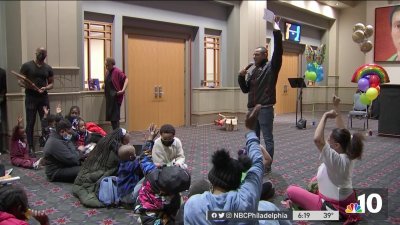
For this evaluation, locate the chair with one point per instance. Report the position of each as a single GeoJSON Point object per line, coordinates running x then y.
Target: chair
{"type": "Point", "coordinates": [359, 111]}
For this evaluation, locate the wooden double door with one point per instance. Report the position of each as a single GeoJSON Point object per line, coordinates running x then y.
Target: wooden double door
{"type": "Point", "coordinates": [285, 95]}
{"type": "Point", "coordinates": [156, 67]}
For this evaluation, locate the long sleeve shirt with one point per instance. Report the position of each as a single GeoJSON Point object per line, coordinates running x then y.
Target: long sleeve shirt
{"type": "Point", "coordinates": [261, 82]}
{"type": "Point", "coordinates": [246, 198]}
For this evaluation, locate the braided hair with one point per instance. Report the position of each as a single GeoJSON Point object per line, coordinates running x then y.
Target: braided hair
{"type": "Point", "coordinates": [101, 153]}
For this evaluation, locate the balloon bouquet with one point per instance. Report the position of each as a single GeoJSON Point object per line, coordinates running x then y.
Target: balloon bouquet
{"type": "Point", "coordinates": [369, 77]}
{"type": "Point", "coordinates": [361, 33]}
{"type": "Point", "coordinates": [315, 58]}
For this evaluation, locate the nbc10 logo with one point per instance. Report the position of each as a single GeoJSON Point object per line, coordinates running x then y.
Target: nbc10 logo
{"type": "Point", "coordinates": [372, 203]}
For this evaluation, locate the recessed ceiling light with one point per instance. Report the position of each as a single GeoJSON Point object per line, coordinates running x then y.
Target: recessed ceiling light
{"type": "Point", "coordinates": [337, 3]}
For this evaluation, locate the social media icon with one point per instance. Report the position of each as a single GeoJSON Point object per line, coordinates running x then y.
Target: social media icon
{"type": "Point", "coordinates": [229, 215]}
{"type": "Point", "coordinates": [221, 215]}
{"type": "Point", "coordinates": [214, 215]}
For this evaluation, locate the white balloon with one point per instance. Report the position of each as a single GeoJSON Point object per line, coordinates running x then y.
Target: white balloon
{"type": "Point", "coordinates": [359, 26]}
{"type": "Point", "coordinates": [369, 31]}
{"type": "Point", "coordinates": [366, 46]}
{"type": "Point", "coordinates": [358, 36]}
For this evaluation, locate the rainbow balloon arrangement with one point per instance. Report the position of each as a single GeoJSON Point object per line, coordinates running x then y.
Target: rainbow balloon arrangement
{"type": "Point", "coordinates": [369, 77]}
{"type": "Point", "coordinates": [315, 58]}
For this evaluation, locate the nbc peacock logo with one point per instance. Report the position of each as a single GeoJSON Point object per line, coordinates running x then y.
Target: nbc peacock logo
{"type": "Point", "coordinates": [353, 208]}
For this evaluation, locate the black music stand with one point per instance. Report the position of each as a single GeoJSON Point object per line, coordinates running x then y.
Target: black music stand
{"type": "Point", "coordinates": [298, 82]}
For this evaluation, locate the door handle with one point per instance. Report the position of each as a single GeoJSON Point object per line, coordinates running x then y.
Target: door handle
{"type": "Point", "coordinates": [160, 92]}
{"type": "Point", "coordinates": [156, 91]}
{"type": "Point", "coordinates": [285, 89]}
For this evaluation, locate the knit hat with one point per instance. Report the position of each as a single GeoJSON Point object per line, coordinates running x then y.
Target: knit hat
{"type": "Point", "coordinates": [170, 179]}
{"type": "Point", "coordinates": [226, 172]}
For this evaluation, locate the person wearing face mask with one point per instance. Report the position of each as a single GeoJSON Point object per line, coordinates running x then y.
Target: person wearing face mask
{"type": "Point", "coordinates": [167, 148]}
{"type": "Point", "coordinates": [41, 74]}
{"type": "Point", "coordinates": [74, 113]}
{"type": "Point", "coordinates": [19, 154]}
{"type": "Point", "coordinates": [60, 154]}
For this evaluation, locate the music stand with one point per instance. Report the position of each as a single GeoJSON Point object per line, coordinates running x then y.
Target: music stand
{"type": "Point", "coordinates": [298, 82]}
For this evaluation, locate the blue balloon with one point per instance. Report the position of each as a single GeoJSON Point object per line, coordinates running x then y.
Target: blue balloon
{"type": "Point", "coordinates": [311, 67]}
{"type": "Point", "coordinates": [320, 74]}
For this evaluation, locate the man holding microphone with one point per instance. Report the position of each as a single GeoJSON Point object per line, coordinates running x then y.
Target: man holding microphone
{"type": "Point", "coordinates": [260, 84]}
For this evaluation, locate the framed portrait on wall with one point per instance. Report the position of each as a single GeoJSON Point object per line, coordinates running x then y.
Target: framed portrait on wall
{"type": "Point", "coordinates": [387, 34]}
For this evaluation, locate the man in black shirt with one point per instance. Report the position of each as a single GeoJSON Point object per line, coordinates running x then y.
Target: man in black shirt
{"type": "Point", "coordinates": [42, 76]}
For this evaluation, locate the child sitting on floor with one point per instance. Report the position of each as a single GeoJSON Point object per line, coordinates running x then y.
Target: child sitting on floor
{"type": "Point", "coordinates": [167, 149]}
{"type": "Point", "coordinates": [19, 153]}
{"type": "Point", "coordinates": [129, 174]}
{"type": "Point", "coordinates": [14, 207]}
{"type": "Point", "coordinates": [49, 122]}
{"type": "Point", "coordinates": [159, 199]}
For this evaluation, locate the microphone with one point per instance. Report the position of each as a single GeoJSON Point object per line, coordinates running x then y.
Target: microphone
{"type": "Point", "coordinates": [248, 66]}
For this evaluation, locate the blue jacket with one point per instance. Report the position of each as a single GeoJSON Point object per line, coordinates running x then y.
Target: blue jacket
{"type": "Point", "coordinates": [244, 199]}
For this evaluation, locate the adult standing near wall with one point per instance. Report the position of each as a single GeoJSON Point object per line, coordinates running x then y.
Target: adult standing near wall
{"type": "Point", "coordinates": [3, 117]}
{"type": "Point", "coordinates": [261, 86]}
{"type": "Point", "coordinates": [115, 85]}
{"type": "Point", "coordinates": [41, 74]}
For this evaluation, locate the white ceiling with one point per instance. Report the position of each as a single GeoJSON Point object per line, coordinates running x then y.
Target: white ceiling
{"type": "Point", "coordinates": [339, 4]}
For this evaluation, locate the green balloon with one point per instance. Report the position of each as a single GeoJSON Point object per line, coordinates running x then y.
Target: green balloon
{"type": "Point", "coordinates": [310, 75]}
{"type": "Point", "coordinates": [364, 99]}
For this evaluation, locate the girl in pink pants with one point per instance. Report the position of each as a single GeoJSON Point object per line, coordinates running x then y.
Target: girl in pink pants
{"type": "Point", "coordinates": [335, 173]}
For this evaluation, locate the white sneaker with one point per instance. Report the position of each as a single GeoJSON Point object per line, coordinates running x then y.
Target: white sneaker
{"type": "Point", "coordinates": [8, 172]}
{"type": "Point", "coordinates": [37, 164]}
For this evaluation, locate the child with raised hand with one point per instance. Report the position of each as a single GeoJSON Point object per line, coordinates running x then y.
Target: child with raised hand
{"type": "Point", "coordinates": [49, 122]}
{"type": "Point", "coordinates": [159, 199]}
{"type": "Point", "coordinates": [229, 193]}
{"type": "Point", "coordinates": [338, 155]}
{"type": "Point", "coordinates": [19, 153]}
{"type": "Point", "coordinates": [14, 207]}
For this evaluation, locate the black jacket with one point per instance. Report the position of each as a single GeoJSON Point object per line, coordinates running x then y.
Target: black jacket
{"type": "Point", "coordinates": [261, 82]}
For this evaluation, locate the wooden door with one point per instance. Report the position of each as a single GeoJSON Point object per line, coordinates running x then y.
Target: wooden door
{"type": "Point", "coordinates": [156, 81]}
{"type": "Point", "coordinates": [171, 81]}
{"type": "Point", "coordinates": [285, 95]}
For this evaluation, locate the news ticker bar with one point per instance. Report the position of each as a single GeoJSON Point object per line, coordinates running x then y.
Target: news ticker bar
{"type": "Point", "coordinates": [273, 215]}
{"type": "Point", "coordinates": [243, 215]}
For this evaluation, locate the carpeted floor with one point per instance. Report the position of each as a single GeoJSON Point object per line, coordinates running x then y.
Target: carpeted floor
{"type": "Point", "coordinates": [295, 162]}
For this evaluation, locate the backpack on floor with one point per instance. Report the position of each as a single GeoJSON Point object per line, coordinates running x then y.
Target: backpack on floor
{"type": "Point", "coordinates": [108, 191]}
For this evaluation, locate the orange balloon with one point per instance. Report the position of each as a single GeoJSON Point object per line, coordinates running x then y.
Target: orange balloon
{"type": "Point", "coordinates": [378, 88]}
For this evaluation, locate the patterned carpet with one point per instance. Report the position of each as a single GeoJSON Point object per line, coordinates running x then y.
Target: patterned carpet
{"type": "Point", "coordinates": [296, 161]}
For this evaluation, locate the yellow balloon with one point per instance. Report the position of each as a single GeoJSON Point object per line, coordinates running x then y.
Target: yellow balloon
{"type": "Point", "coordinates": [372, 93]}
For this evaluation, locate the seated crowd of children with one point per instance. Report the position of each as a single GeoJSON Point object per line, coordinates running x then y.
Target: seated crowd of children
{"type": "Point", "coordinates": [151, 182]}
